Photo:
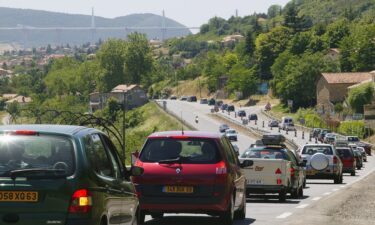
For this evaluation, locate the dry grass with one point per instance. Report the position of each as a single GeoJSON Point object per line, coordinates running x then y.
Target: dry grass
{"type": "Point", "coordinates": [191, 87]}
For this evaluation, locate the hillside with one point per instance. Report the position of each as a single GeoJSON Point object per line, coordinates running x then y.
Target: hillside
{"type": "Point", "coordinates": [10, 17]}
{"type": "Point", "coordinates": [330, 10]}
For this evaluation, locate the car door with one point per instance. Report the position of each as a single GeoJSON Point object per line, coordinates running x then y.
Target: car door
{"type": "Point", "coordinates": [235, 170]}
{"type": "Point", "coordinates": [126, 187]}
{"type": "Point", "coordinates": [298, 170]}
{"type": "Point", "coordinates": [106, 190]}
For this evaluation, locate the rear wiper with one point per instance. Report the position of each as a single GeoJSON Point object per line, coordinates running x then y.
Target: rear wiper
{"type": "Point", "coordinates": [176, 160]}
{"type": "Point", "coordinates": [57, 172]}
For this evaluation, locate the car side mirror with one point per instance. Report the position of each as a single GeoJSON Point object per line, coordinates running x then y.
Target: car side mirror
{"type": "Point", "coordinates": [247, 163]}
{"type": "Point", "coordinates": [136, 171]}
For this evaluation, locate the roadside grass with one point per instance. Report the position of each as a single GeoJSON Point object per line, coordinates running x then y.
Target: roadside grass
{"type": "Point", "coordinates": [195, 87]}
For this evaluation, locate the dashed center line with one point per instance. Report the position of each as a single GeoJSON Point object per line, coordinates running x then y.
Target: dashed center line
{"type": "Point", "coordinates": [302, 206]}
{"type": "Point", "coordinates": [284, 215]}
{"type": "Point", "coordinates": [327, 193]}
{"type": "Point", "coordinates": [316, 198]}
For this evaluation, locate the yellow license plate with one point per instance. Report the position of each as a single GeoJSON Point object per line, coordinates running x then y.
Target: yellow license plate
{"type": "Point", "coordinates": [178, 189]}
{"type": "Point", "coordinates": [310, 173]}
{"type": "Point", "coordinates": [18, 196]}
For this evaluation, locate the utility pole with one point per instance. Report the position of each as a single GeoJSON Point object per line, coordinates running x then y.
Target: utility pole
{"type": "Point", "coordinates": [200, 89]}
{"type": "Point", "coordinates": [163, 29]}
{"type": "Point", "coordinates": [123, 123]}
{"type": "Point", "coordinates": [93, 30]}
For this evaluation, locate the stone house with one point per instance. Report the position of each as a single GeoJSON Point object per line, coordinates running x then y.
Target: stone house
{"type": "Point", "coordinates": [333, 53]}
{"type": "Point", "coordinates": [22, 100]}
{"type": "Point", "coordinates": [134, 96]}
{"type": "Point", "coordinates": [333, 88]}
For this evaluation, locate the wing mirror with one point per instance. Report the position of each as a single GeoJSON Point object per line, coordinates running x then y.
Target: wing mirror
{"type": "Point", "coordinates": [247, 163]}
{"type": "Point", "coordinates": [136, 171]}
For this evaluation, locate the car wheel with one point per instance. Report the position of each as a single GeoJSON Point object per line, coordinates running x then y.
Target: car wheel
{"type": "Point", "coordinates": [336, 180]}
{"type": "Point", "coordinates": [142, 217]}
{"type": "Point", "coordinates": [352, 173]}
{"type": "Point", "coordinates": [295, 193]}
{"type": "Point", "coordinates": [227, 217]}
{"type": "Point", "coordinates": [103, 221]}
{"type": "Point", "coordinates": [157, 215]}
{"type": "Point", "coordinates": [341, 179]}
{"type": "Point", "coordinates": [240, 214]}
{"type": "Point", "coordinates": [304, 183]}
{"type": "Point", "coordinates": [301, 192]}
{"type": "Point", "coordinates": [282, 196]}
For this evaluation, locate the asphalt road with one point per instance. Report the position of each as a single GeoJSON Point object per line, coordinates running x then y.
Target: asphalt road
{"type": "Point", "coordinates": [262, 210]}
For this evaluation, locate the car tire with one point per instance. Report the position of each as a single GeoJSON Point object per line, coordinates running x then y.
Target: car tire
{"type": "Point", "coordinates": [295, 193]}
{"type": "Point", "coordinates": [301, 192]}
{"type": "Point", "coordinates": [142, 217]}
{"type": "Point", "coordinates": [304, 183]}
{"type": "Point", "coordinates": [240, 214]}
{"type": "Point", "coordinates": [157, 215]}
{"type": "Point", "coordinates": [282, 196]}
{"type": "Point", "coordinates": [341, 179]}
{"type": "Point", "coordinates": [352, 173]}
{"type": "Point", "coordinates": [227, 217]}
{"type": "Point", "coordinates": [336, 180]}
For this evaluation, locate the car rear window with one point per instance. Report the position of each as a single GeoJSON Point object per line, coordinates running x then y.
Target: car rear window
{"type": "Point", "coordinates": [311, 150]}
{"type": "Point", "coordinates": [45, 152]}
{"type": "Point", "coordinates": [265, 154]}
{"type": "Point", "coordinates": [353, 139]}
{"type": "Point", "coordinates": [345, 152]}
{"type": "Point", "coordinates": [188, 150]}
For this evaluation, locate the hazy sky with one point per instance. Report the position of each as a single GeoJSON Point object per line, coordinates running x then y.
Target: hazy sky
{"type": "Point", "coordinates": [187, 12]}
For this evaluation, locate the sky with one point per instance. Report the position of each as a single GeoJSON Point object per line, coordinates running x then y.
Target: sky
{"type": "Point", "coordinates": [191, 13]}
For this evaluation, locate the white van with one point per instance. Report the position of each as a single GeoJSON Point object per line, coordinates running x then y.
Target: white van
{"type": "Point", "coordinates": [286, 122]}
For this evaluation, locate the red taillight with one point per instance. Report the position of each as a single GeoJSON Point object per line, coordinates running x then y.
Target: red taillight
{"type": "Point", "coordinates": [278, 171]}
{"type": "Point", "coordinates": [292, 171]}
{"type": "Point", "coordinates": [279, 181]}
{"type": "Point", "coordinates": [81, 202]}
{"type": "Point", "coordinates": [23, 132]}
{"type": "Point", "coordinates": [221, 168]}
{"type": "Point", "coordinates": [334, 160]}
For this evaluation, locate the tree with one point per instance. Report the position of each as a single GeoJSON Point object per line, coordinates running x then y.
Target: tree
{"type": "Point", "coordinates": [249, 43]}
{"type": "Point", "coordinates": [14, 110]}
{"type": "Point", "coordinates": [339, 108]}
{"type": "Point", "coordinates": [243, 80]}
{"type": "Point", "coordinates": [111, 56]}
{"type": "Point", "coordinates": [336, 31]}
{"type": "Point", "coordinates": [4, 66]}
{"type": "Point", "coordinates": [138, 61]}
{"type": "Point", "coordinates": [273, 11]}
{"type": "Point", "coordinates": [360, 96]}
{"type": "Point", "coordinates": [291, 16]}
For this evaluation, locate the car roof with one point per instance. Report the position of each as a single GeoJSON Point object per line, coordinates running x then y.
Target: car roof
{"type": "Point", "coordinates": [45, 128]}
{"type": "Point", "coordinates": [317, 145]}
{"type": "Point", "coordinates": [191, 134]}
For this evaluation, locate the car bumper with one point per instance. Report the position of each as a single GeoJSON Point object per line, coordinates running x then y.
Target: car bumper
{"type": "Point", "coordinates": [328, 173]}
{"type": "Point", "coordinates": [348, 169]}
{"type": "Point", "coordinates": [262, 189]}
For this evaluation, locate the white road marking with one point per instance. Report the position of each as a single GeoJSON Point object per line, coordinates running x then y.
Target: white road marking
{"type": "Point", "coordinates": [342, 186]}
{"type": "Point", "coordinates": [284, 215]}
{"type": "Point", "coordinates": [316, 198]}
{"type": "Point", "coordinates": [327, 193]}
{"type": "Point", "coordinates": [302, 206]}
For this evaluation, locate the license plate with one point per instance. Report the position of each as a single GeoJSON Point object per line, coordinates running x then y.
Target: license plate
{"type": "Point", "coordinates": [18, 196]}
{"type": "Point", "coordinates": [310, 172]}
{"type": "Point", "coordinates": [255, 182]}
{"type": "Point", "coordinates": [178, 189]}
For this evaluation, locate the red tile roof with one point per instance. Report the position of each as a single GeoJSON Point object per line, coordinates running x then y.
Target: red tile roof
{"type": "Point", "coordinates": [346, 78]}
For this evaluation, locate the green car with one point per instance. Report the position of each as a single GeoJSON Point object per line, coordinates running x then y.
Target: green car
{"type": "Point", "coordinates": [53, 174]}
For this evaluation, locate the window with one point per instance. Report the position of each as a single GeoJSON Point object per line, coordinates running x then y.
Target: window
{"type": "Point", "coordinates": [265, 153]}
{"type": "Point", "coordinates": [116, 161]}
{"type": "Point", "coordinates": [98, 156]}
{"type": "Point", "coordinates": [228, 151]}
{"type": "Point", "coordinates": [311, 150]}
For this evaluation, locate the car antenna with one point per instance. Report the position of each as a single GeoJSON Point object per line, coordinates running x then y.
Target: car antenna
{"type": "Point", "coordinates": [182, 124]}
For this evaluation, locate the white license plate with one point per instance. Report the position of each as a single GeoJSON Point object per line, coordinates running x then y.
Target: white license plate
{"type": "Point", "coordinates": [254, 182]}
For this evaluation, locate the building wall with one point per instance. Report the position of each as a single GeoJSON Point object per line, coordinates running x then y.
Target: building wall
{"type": "Point", "coordinates": [338, 92]}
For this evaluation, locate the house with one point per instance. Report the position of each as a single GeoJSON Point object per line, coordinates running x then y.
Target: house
{"type": "Point", "coordinates": [333, 87]}
{"type": "Point", "coordinates": [5, 73]}
{"type": "Point", "coordinates": [22, 100]}
{"type": "Point", "coordinates": [9, 96]}
{"type": "Point", "coordinates": [333, 53]}
{"type": "Point", "coordinates": [134, 97]}
{"type": "Point", "coordinates": [231, 39]}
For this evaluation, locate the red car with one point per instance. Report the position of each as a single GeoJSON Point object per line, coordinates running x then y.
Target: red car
{"type": "Point", "coordinates": [348, 160]}
{"type": "Point", "coordinates": [190, 172]}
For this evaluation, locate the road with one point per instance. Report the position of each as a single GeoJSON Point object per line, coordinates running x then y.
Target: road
{"type": "Point", "coordinates": [263, 210]}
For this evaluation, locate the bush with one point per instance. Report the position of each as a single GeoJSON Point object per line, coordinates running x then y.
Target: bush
{"type": "Point", "coordinates": [314, 120]}
{"type": "Point", "coordinates": [355, 128]}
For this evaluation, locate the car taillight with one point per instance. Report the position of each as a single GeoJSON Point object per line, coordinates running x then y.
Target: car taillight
{"type": "Point", "coordinates": [292, 171]}
{"type": "Point", "coordinates": [221, 168]}
{"type": "Point", "coordinates": [334, 160]}
{"type": "Point", "coordinates": [278, 171]}
{"type": "Point", "coordinates": [279, 181]}
{"type": "Point", "coordinates": [81, 202]}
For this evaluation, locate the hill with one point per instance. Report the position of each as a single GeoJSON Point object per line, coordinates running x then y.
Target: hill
{"type": "Point", "coordinates": [10, 17]}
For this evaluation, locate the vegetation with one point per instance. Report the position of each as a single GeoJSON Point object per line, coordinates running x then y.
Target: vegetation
{"type": "Point", "coordinates": [360, 96]}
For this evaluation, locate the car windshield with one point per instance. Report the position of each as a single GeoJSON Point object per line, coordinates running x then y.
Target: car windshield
{"type": "Point", "coordinates": [345, 152]}
{"type": "Point", "coordinates": [353, 139]}
{"type": "Point", "coordinates": [311, 150]}
{"type": "Point", "coordinates": [265, 154]}
{"type": "Point", "coordinates": [37, 156]}
{"type": "Point", "coordinates": [230, 131]}
{"type": "Point", "coordinates": [186, 151]}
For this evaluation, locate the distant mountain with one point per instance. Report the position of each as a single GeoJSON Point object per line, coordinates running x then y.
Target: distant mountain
{"type": "Point", "coordinates": [10, 17]}
{"type": "Point", "coordinates": [330, 10]}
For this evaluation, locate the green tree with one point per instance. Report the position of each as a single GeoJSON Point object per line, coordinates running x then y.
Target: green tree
{"type": "Point", "coordinates": [111, 56]}
{"type": "Point", "coordinates": [273, 11]}
{"type": "Point", "coordinates": [249, 43]}
{"type": "Point", "coordinates": [138, 60]}
{"type": "Point", "coordinates": [14, 109]}
{"type": "Point", "coordinates": [4, 66]}
{"type": "Point", "coordinates": [336, 31]}
{"type": "Point", "coordinates": [360, 96]}
{"type": "Point", "coordinates": [243, 80]}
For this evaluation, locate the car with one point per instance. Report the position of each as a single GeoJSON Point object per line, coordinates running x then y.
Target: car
{"type": "Point", "coordinates": [190, 172]}
{"type": "Point", "coordinates": [64, 174]}
{"type": "Point", "coordinates": [224, 106]}
{"type": "Point", "coordinates": [236, 149]}
{"type": "Point", "coordinates": [289, 127]}
{"type": "Point", "coordinates": [241, 113]}
{"type": "Point", "coordinates": [363, 152]}
{"type": "Point", "coordinates": [352, 139]}
{"type": "Point", "coordinates": [219, 103]}
{"type": "Point", "coordinates": [223, 128]}
{"type": "Point", "coordinates": [322, 162]}
{"type": "Point", "coordinates": [274, 169]}
{"type": "Point", "coordinates": [315, 132]}
{"type": "Point", "coordinates": [230, 108]}
{"type": "Point", "coordinates": [329, 138]}
{"type": "Point", "coordinates": [273, 123]}
{"type": "Point", "coordinates": [173, 97]}
{"type": "Point", "coordinates": [341, 143]}
{"type": "Point", "coordinates": [348, 159]}
{"type": "Point", "coordinates": [322, 134]}
{"type": "Point", "coordinates": [192, 99]}
{"type": "Point", "coordinates": [231, 134]}
{"type": "Point", "coordinates": [183, 98]}
{"type": "Point", "coordinates": [358, 158]}
{"type": "Point", "coordinates": [212, 101]}
{"type": "Point", "coordinates": [366, 146]}
{"type": "Point", "coordinates": [203, 101]}
{"type": "Point", "coordinates": [253, 116]}
{"type": "Point", "coordinates": [285, 121]}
